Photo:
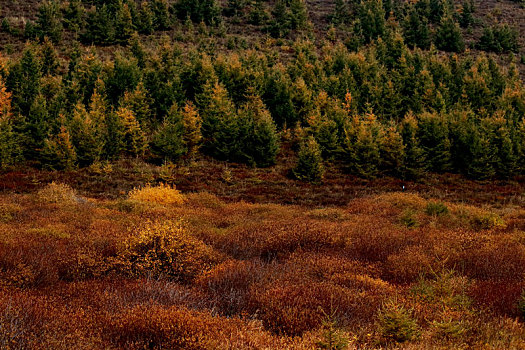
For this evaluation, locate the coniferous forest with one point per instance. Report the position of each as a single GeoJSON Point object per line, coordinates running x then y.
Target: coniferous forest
{"type": "Point", "coordinates": [262, 174]}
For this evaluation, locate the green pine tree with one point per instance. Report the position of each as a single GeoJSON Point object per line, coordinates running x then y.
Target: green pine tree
{"type": "Point", "coordinates": [309, 165]}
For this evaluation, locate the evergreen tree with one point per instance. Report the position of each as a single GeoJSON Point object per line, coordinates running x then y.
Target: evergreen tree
{"type": "Point", "coordinates": [145, 19]}
{"type": "Point", "coordinates": [192, 129]}
{"type": "Point", "coordinates": [362, 146]}
{"type": "Point", "coordinates": [235, 8]}
{"type": "Point", "coordinates": [370, 23]}
{"type": "Point", "coordinates": [74, 14]}
{"type": "Point", "coordinates": [258, 14]}
{"type": "Point", "coordinates": [123, 76]}
{"type": "Point", "coordinates": [168, 141]}
{"type": "Point", "coordinates": [49, 21]}
{"type": "Point", "coordinates": [10, 151]}
{"type": "Point", "coordinates": [58, 152]}
{"type": "Point", "coordinates": [9, 148]}
{"type": "Point", "coordinates": [298, 14]}
{"type": "Point", "coordinates": [139, 102]}
{"type": "Point", "coordinates": [433, 134]}
{"type": "Point", "coordinates": [309, 165]}
{"type": "Point", "coordinates": [219, 123]}
{"type": "Point", "coordinates": [416, 31]}
{"type": "Point", "coordinates": [207, 11]}
{"type": "Point", "coordinates": [100, 28]}
{"type": "Point", "coordinates": [499, 39]}
{"type": "Point", "coordinates": [161, 15]}
{"type": "Point", "coordinates": [341, 13]}
{"type": "Point", "coordinates": [278, 98]}
{"type": "Point", "coordinates": [413, 162]}
{"type": "Point", "coordinates": [392, 151]}
{"type": "Point", "coordinates": [449, 37]}
{"type": "Point", "coordinates": [134, 140]}
{"type": "Point", "coordinates": [35, 127]}
{"type": "Point", "coordinates": [466, 17]}
{"type": "Point", "coordinates": [24, 81]}
{"type": "Point", "coordinates": [281, 23]}
{"type": "Point", "coordinates": [259, 142]}
{"type": "Point", "coordinates": [49, 58]}
{"type": "Point", "coordinates": [87, 136]}
{"type": "Point", "coordinates": [123, 23]}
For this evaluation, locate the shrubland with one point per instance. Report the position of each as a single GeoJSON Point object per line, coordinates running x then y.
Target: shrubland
{"type": "Point", "coordinates": [203, 273]}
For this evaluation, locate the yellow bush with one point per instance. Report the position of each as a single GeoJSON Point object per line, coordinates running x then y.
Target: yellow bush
{"type": "Point", "coordinates": [57, 193]}
{"type": "Point", "coordinates": [166, 249]}
{"type": "Point", "coordinates": [161, 194]}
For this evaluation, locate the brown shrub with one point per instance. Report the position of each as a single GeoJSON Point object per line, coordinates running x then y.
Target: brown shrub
{"type": "Point", "coordinates": [228, 284]}
{"type": "Point", "coordinates": [498, 296]}
{"type": "Point", "coordinates": [269, 240]}
{"type": "Point", "coordinates": [407, 265]}
{"type": "Point", "coordinates": [497, 257]}
{"type": "Point", "coordinates": [156, 327]}
{"type": "Point", "coordinates": [294, 309]}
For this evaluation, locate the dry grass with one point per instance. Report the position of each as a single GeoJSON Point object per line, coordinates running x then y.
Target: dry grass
{"type": "Point", "coordinates": [207, 274]}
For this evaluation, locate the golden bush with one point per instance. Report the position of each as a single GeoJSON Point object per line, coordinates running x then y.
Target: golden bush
{"type": "Point", "coordinates": [161, 194]}
{"type": "Point", "coordinates": [57, 193]}
{"type": "Point", "coordinates": [166, 249]}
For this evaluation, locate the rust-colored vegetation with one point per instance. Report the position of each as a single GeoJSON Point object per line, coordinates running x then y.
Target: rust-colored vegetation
{"type": "Point", "coordinates": [159, 269]}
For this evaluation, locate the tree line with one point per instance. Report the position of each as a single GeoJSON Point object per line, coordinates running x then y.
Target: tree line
{"type": "Point", "coordinates": [422, 23]}
{"type": "Point", "coordinates": [385, 109]}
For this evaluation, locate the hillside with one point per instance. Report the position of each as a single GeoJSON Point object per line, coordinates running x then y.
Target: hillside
{"type": "Point", "coordinates": [262, 174]}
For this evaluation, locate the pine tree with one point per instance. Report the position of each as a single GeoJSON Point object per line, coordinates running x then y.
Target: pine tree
{"type": "Point", "coordinates": [145, 19]}
{"type": "Point", "coordinates": [58, 152]}
{"type": "Point", "coordinates": [392, 151]}
{"type": "Point", "coordinates": [309, 165]}
{"type": "Point", "coordinates": [74, 15]}
{"type": "Point", "coordinates": [134, 140]}
{"type": "Point", "coordinates": [298, 14]}
{"type": "Point", "coordinates": [258, 142]}
{"type": "Point", "coordinates": [123, 76]}
{"type": "Point", "coordinates": [324, 126]}
{"type": "Point", "coordinates": [370, 23]}
{"type": "Point", "coordinates": [466, 18]}
{"type": "Point", "coordinates": [449, 37]}
{"type": "Point", "coordinates": [258, 14]}
{"type": "Point", "coordinates": [49, 21]}
{"type": "Point", "coordinates": [139, 102]}
{"type": "Point", "coordinates": [192, 129]}
{"type": "Point", "coordinates": [87, 137]}
{"type": "Point", "coordinates": [207, 11]}
{"type": "Point", "coordinates": [416, 31]}
{"type": "Point", "coordinates": [433, 135]}
{"type": "Point", "coordinates": [341, 13]}
{"type": "Point", "coordinates": [362, 146]}
{"type": "Point", "coordinates": [9, 148]}
{"type": "Point", "coordinates": [123, 23]}
{"type": "Point", "coordinates": [161, 15]}
{"type": "Point", "coordinates": [100, 27]}
{"type": "Point", "coordinates": [219, 122]}
{"type": "Point", "coordinates": [234, 8]}
{"type": "Point", "coordinates": [49, 58]}
{"type": "Point", "coordinates": [35, 127]}
{"type": "Point", "coordinates": [24, 81]}
{"type": "Point", "coordinates": [168, 141]}
{"type": "Point", "coordinates": [280, 25]}
{"type": "Point", "coordinates": [413, 162]}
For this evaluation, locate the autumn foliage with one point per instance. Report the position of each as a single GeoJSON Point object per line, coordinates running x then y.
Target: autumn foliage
{"type": "Point", "coordinates": [205, 274]}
